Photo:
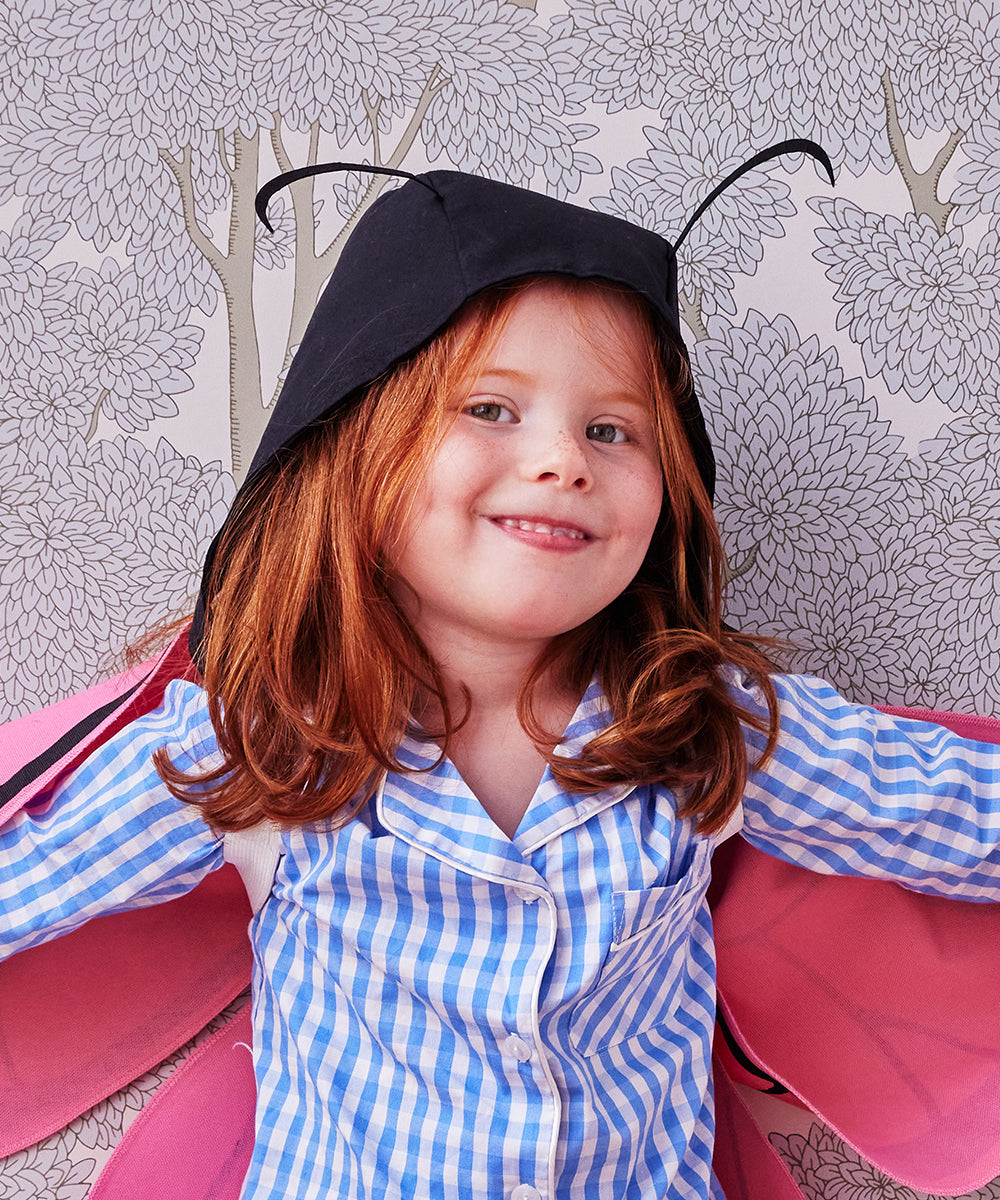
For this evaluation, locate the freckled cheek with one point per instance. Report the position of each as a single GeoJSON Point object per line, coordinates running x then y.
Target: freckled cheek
{"type": "Point", "coordinates": [644, 490]}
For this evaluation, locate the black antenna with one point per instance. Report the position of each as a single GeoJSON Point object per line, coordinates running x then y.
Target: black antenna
{"type": "Point", "coordinates": [289, 177]}
{"type": "Point", "coordinates": [791, 146]}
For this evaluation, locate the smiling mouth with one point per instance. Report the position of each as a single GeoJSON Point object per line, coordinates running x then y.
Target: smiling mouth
{"type": "Point", "coordinates": [543, 527]}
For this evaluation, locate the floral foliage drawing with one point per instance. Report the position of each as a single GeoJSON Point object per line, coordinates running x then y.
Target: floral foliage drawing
{"type": "Point", "coordinates": [826, 1168]}
{"type": "Point", "coordinates": [140, 129]}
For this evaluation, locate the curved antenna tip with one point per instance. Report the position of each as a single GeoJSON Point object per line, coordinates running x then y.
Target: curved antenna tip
{"type": "Point", "coordinates": [789, 146]}
{"type": "Point", "coordinates": [288, 177]}
{"type": "Point", "coordinates": [260, 207]}
{"type": "Point", "coordinates": [824, 161]}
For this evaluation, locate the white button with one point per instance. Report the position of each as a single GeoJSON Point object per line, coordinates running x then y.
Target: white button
{"type": "Point", "coordinates": [525, 895]}
{"type": "Point", "coordinates": [517, 1048]}
{"type": "Point", "coordinates": [524, 1191]}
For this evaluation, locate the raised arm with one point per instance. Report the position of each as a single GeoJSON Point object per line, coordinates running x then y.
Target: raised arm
{"type": "Point", "coordinates": [112, 837]}
{"type": "Point", "coordinates": [851, 791]}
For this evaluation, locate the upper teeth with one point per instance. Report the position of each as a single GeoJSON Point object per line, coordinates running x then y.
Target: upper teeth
{"type": "Point", "coordinates": [538, 527]}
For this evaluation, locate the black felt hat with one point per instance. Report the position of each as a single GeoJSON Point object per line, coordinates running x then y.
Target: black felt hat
{"type": "Point", "coordinates": [421, 251]}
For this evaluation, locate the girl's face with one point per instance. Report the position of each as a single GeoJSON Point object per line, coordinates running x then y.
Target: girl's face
{"type": "Point", "coordinates": [539, 503]}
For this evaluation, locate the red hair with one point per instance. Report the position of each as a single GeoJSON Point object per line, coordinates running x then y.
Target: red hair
{"type": "Point", "coordinates": [312, 670]}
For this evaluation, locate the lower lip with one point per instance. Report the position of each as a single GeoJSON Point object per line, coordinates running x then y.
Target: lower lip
{"type": "Point", "coordinates": [543, 541]}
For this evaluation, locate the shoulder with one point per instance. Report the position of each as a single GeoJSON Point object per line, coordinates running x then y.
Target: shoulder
{"type": "Point", "coordinates": [821, 730]}
{"type": "Point", "coordinates": [182, 714]}
{"type": "Point", "coordinates": [801, 696]}
{"type": "Point", "coordinates": [180, 724]}
{"type": "Point", "coordinates": [815, 719]}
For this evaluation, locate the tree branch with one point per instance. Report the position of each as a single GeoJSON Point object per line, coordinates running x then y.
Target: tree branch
{"type": "Point", "coordinates": [301, 194]}
{"type": "Point", "coordinates": [247, 413]}
{"type": "Point", "coordinates": [181, 171]}
{"type": "Point", "coordinates": [242, 220]}
{"type": "Point", "coordinates": [311, 269]}
{"type": "Point", "coordinates": [922, 185]}
{"type": "Point", "coordinates": [95, 417]}
{"type": "Point", "coordinates": [748, 562]}
{"type": "Point", "coordinates": [220, 145]}
{"type": "Point", "coordinates": [371, 112]}
{"type": "Point", "coordinates": [691, 312]}
{"type": "Point", "coordinates": [431, 89]}
{"type": "Point", "coordinates": [943, 157]}
{"type": "Point", "coordinates": [278, 146]}
{"type": "Point", "coordinates": [303, 214]}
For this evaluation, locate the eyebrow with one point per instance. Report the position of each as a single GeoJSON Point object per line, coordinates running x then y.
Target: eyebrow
{"type": "Point", "coordinates": [512, 375]}
{"type": "Point", "coordinates": [502, 373]}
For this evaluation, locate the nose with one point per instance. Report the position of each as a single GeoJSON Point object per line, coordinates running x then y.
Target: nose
{"type": "Point", "coordinates": [560, 458]}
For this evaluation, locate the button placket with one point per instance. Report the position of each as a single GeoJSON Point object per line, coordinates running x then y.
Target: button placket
{"type": "Point", "coordinates": [532, 1070]}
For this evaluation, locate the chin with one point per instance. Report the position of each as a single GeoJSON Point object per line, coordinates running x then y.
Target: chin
{"type": "Point", "coordinates": [530, 628]}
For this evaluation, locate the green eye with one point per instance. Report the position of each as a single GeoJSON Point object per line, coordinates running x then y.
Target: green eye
{"type": "Point", "coordinates": [605, 433]}
{"type": "Point", "coordinates": [485, 411]}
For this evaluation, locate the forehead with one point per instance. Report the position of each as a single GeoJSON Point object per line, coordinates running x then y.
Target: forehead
{"type": "Point", "coordinates": [552, 322]}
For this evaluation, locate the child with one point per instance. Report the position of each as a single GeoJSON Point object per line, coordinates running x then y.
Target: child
{"type": "Point", "coordinates": [462, 639]}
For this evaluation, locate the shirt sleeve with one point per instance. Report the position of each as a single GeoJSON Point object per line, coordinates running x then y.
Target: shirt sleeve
{"type": "Point", "coordinates": [852, 791]}
{"type": "Point", "coordinates": [112, 837]}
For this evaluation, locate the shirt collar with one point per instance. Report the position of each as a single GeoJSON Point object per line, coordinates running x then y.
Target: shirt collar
{"type": "Point", "coordinates": [434, 807]}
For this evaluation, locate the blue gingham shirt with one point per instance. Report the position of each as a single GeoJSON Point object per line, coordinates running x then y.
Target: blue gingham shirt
{"type": "Point", "coordinates": [440, 1011]}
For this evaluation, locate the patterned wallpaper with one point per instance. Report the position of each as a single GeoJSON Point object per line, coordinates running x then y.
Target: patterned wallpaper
{"type": "Point", "coordinates": [846, 341]}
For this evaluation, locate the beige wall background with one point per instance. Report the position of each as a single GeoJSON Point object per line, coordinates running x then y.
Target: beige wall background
{"type": "Point", "coordinates": [846, 341]}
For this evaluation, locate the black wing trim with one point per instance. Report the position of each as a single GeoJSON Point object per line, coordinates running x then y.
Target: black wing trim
{"type": "Point", "coordinates": [62, 746]}
{"type": "Point", "coordinates": [737, 1051]}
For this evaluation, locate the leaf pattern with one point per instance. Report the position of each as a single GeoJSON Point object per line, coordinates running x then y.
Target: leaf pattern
{"type": "Point", "coordinates": [825, 1168]}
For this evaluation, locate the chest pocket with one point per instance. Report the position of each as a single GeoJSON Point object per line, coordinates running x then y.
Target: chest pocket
{"type": "Point", "coordinates": [648, 960]}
